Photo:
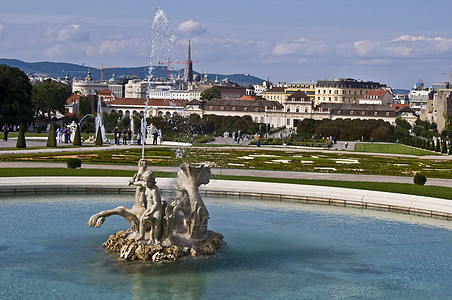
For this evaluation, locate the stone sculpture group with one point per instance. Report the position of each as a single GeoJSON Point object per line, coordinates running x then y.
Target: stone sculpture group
{"type": "Point", "coordinates": [163, 230]}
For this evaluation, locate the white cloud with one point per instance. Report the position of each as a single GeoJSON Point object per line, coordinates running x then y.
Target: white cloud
{"type": "Point", "coordinates": [123, 45]}
{"type": "Point", "coordinates": [73, 33]}
{"type": "Point", "coordinates": [403, 46]}
{"type": "Point", "coordinates": [192, 28]}
{"type": "Point", "coordinates": [299, 47]}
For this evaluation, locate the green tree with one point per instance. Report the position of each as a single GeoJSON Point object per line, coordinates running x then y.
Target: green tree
{"type": "Point", "coordinates": [437, 147]}
{"type": "Point", "coordinates": [211, 93]}
{"type": "Point", "coordinates": [84, 106]}
{"type": "Point", "coordinates": [51, 140]}
{"type": "Point", "coordinates": [15, 96]}
{"type": "Point", "coordinates": [444, 147]}
{"type": "Point", "coordinates": [21, 138]}
{"type": "Point", "coordinates": [99, 141]}
{"type": "Point", "coordinates": [49, 97]}
{"type": "Point", "coordinates": [77, 137]}
{"type": "Point", "coordinates": [403, 123]}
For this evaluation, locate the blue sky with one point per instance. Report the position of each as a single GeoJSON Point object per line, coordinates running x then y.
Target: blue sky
{"type": "Point", "coordinates": [395, 42]}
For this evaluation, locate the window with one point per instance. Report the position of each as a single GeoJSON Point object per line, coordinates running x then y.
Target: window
{"type": "Point", "coordinates": [256, 109]}
{"type": "Point", "coordinates": [288, 110]}
{"type": "Point", "coordinates": [363, 113]}
{"type": "Point", "coordinates": [288, 121]}
{"type": "Point", "coordinates": [339, 112]}
{"type": "Point", "coordinates": [351, 112]}
{"type": "Point", "coordinates": [222, 108]}
{"type": "Point", "coordinates": [375, 113]}
{"type": "Point", "coordinates": [245, 108]}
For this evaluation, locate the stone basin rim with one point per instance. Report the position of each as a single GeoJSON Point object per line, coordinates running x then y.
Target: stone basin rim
{"type": "Point", "coordinates": [384, 201]}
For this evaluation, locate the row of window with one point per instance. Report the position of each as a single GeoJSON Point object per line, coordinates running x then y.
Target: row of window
{"type": "Point", "coordinates": [362, 113]}
{"type": "Point", "coordinates": [344, 92]}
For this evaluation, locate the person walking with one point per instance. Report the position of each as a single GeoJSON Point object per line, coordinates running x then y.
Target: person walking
{"type": "Point", "coordinates": [139, 136]}
{"type": "Point", "coordinates": [129, 135]}
{"type": "Point", "coordinates": [124, 136]}
{"type": "Point", "coordinates": [258, 140]}
{"type": "Point", "coordinates": [116, 133]}
{"type": "Point", "coordinates": [5, 132]}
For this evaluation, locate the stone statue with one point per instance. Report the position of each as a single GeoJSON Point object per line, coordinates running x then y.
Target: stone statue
{"type": "Point", "coordinates": [152, 217]}
{"type": "Point", "coordinates": [157, 224]}
{"type": "Point", "coordinates": [132, 215]}
{"type": "Point", "coordinates": [72, 129]}
{"type": "Point", "coordinates": [188, 181]}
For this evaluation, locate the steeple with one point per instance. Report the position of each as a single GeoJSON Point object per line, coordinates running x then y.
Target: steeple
{"type": "Point", "coordinates": [188, 72]}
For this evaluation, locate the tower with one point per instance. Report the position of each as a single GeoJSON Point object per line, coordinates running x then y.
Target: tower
{"type": "Point", "coordinates": [188, 72]}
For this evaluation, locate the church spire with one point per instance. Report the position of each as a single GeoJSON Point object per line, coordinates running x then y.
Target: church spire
{"type": "Point", "coordinates": [188, 72]}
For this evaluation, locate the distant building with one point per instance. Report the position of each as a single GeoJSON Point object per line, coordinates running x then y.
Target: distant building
{"type": "Point", "coordinates": [308, 88]}
{"type": "Point", "coordinates": [87, 86]}
{"type": "Point", "coordinates": [106, 95]}
{"type": "Point", "coordinates": [442, 110]}
{"type": "Point", "coordinates": [343, 90]}
{"type": "Point", "coordinates": [376, 97]}
{"type": "Point", "coordinates": [418, 99]}
{"type": "Point", "coordinates": [188, 72]}
{"type": "Point", "coordinates": [156, 107]}
{"type": "Point", "coordinates": [357, 111]}
{"type": "Point", "coordinates": [72, 104]}
{"type": "Point", "coordinates": [275, 94]}
{"type": "Point", "coordinates": [261, 111]}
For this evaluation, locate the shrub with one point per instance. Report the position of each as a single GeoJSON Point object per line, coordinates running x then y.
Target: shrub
{"type": "Point", "coordinates": [77, 138]}
{"type": "Point", "coordinates": [21, 138]}
{"type": "Point", "coordinates": [51, 140]}
{"type": "Point", "coordinates": [74, 163]}
{"type": "Point", "coordinates": [99, 141]}
{"type": "Point", "coordinates": [444, 148]}
{"type": "Point", "coordinates": [419, 179]}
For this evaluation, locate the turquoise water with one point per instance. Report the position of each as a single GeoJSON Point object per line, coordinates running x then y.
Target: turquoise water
{"type": "Point", "coordinates": [276, 250]}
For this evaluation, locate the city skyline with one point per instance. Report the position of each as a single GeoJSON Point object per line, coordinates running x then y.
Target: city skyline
{"type": "Point", "coordinates": [393, 42]}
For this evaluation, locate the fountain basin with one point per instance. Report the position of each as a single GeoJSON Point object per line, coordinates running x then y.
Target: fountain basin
{"type": "Point", "coordinates": [276, 249]}
{"type": "Point", "coordinates": [401, 203]}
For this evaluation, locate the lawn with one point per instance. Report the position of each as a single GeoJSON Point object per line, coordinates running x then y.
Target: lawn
{"type": "Point", "coordinates": [402, 188]}
{"type": "Point", "coordinates": [391, 148]}
{"type": "Point", "coordinates": [259, 159]}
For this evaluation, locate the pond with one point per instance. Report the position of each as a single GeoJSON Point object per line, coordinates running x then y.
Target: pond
{"type": "Point", "coordinates": [275, 250]}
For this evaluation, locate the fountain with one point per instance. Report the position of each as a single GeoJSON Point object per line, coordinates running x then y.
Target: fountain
{"type": "Point", "coordinates": [99, 121]}
{"type": "Point", "coordinates": [163, 230]}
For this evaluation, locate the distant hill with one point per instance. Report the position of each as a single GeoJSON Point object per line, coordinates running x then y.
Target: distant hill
{"type": "Point", "coordinates": [59, 69]}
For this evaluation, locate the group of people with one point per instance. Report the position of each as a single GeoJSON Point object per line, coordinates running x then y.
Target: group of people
{"type": "Point", "coordinates": [7, 129]}
{"type": "Point", "coordinates": [127, 135]}
{"type": "Point", "coordinates": [63, 132]}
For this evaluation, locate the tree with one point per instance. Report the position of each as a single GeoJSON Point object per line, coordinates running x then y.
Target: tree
{"type": "Point", "coordinates": [99, 141]}
{"type": "Point", "coordinates": [84, 106]}
{"type": "Point", "coordinates": [77, 138]}
{"type": "Point", "coordinates": [211, 93]}
{"type": "Point", "coordinates": [49, 97]}
{"type": "Point", "coordinates": [21, 139]}
{"type": "Point", "coordinates": [51, 140]}
{"type": "Point", "coordinates": [15, 96]}
{"type": "Point", "coordinates": [444, 147]}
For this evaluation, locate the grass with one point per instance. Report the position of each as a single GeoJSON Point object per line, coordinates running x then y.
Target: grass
{"type": "Point", "coordinates": [402, 188]}
{"type": "Point", "coordinates": [391, 148]}
{"type": "Point", "coordinates": [226, 158]}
